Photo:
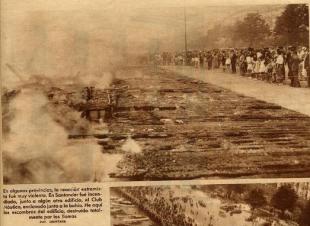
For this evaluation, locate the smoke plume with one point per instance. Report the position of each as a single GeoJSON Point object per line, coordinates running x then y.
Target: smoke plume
{"type": "Point", "coordinates": [37, 149]}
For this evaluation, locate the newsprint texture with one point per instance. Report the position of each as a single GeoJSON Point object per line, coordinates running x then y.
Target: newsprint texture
{"type": "Point", "coordinates": [155, 113]}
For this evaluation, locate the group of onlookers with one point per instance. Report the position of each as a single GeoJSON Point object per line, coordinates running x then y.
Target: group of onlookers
{"type": "Point", "coordinates": [166, 210]}
{"type": "Point", "coordinates": [275, 65]}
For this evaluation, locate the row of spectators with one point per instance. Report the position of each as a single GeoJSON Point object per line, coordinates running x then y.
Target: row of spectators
{"type": "Point", "coordinates": [179, 207]}
{"type": "Point", "coordinates": [270, 64]}
{"type": "Point", "coordinates": [161, 205]}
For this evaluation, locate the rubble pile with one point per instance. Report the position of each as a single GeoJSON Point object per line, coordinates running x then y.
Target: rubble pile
{"type": "Point", "coordinates": [190, 129]}
{"type": "Point", "coordinates": [185, 128]}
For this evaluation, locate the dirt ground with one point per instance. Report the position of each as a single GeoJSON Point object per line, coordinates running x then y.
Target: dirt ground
{"type": "Point", "coordinates": [190, 129]}
{"type": "Point", "coordinates": [296, 99]}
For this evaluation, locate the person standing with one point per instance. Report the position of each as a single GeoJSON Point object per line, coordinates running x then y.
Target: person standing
{"type": "Point", "coordinates": [233, 62]}
{"type": "Point", "coordinates": [255, 66]}
{"type": "Point", "coordinates": [249, 62]}
{"type": "Point", "coordinates": [223, 58]}
{"type": "Point", "coordinates": [307, 67]}
{"type": "Point", "coordinates": [209, 58]}
{"type": "Point", "coordinates": [295, 67]}
{"type": "Point", "coordinates": [228, 62]}
{"type": "Point", "coordinates": [262, 68]}
{"type": "Point", "coordinates": [280, 67]}
{"type": "Point", "coordinates": [288, 61]}
{"type": "Point", "coordinates": [243, 65]}
{"type": "Point", "coordinates": [215, 60]}
{"type": "Point", "coordinates": [201, 59]}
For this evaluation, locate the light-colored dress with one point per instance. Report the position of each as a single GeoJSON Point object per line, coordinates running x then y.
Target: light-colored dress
{"type": "Point", "coordinates": [256, 66]}
{"type": "Point", "coordinates": [262, 67]}
{"type": "Point", "coordinates": [228, 61]}
{"type": "Point", "coordinates": [249, 61]}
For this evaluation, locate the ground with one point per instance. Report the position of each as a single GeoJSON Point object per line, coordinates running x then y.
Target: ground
{"type": "Point", "coordinates": [296, 99]}
{"type": "Point", "coordinates": [188, 128]}
{"type": "Point", "coordinates": [172, 123]}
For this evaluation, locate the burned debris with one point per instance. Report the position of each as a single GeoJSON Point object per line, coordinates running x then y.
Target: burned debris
{"type": "Point", "coordinates": [186, 128]}
{"type": "Point", "coordinates": [195, 130]}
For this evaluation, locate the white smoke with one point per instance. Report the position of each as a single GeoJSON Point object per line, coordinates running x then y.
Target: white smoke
{"type": "Point", "coordinates": [100, 79]}
{"type": "Point", "coordinates": [51, 49]}
{"type": "Point", "coordinates": [37, 149]}
{"type": "Point", "coordinates": [32, 128]}
{"type": "Point", "coordinates": [131, 146]}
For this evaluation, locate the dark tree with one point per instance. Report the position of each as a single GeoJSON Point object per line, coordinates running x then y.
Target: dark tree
{"type": "Point", "coordinates": [256, 198]}
{"type": "Point", "coordinates": [305, 216]}
{"type": "Point", "coordinates": [285, 198]}
{"type": "Point", "coordinates": [235, 189]}
{"type": "Point", "coordinates": [253, 29]}
{"type": "Point", "coordinates": [238, 188]}
{"type": "Point", "coordinates": [293, 25]}
{"type": "Point", "coordinates": [220, 36]}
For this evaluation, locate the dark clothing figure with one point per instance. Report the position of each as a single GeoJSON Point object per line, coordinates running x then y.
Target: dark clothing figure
{"type": "Point", "coordinates": [233, 63]}
{"type": "Point", "coordinates": [243, 65]}
{"type": "Point", "coordinates": [280, 69]}
{"type": "Point", "coordinates": [295, 66]}
{"type": "Point", "coordinates": [223, 60]}
{"type": "Point", "coordinates": [215, 62]}
{"type": "Point", "coordinates": [288, 60]}
{"type": "Point", "coordinates": [201, 60]}
{"type": "Point", "coordinates": [307, 67]}
{"type": "Point", "coordinates": [209, 61]}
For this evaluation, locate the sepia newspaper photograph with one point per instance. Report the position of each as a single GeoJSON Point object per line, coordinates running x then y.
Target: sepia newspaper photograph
{"type": "Point", "coordinates": [172, 113]}
{"type": "Point", "coordinates": [225, 205]}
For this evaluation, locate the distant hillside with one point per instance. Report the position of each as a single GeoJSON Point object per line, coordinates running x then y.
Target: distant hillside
{"type": "Point", "coordinates": [169, 22]}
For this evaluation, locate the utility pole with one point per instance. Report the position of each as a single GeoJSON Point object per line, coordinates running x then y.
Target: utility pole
{"type": "Point", "coordinates": [185, 33]}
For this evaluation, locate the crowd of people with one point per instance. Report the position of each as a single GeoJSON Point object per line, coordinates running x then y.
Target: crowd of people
{"type": "Point", "coordinates": [276, 65]}
{"type": "Point", "coordinates": [178, 207]}
{"type": "Point", "coordinates": [161, 205]}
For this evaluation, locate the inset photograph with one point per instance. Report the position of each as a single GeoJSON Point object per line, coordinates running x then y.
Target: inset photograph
{"type": "Point", "coordinates": [275, 204]}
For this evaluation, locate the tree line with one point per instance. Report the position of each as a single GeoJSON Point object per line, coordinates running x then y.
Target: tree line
{"type": "Point", "coordinates": [291, 28]}
{"type": "Point", "coordinates": [284, 199]}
